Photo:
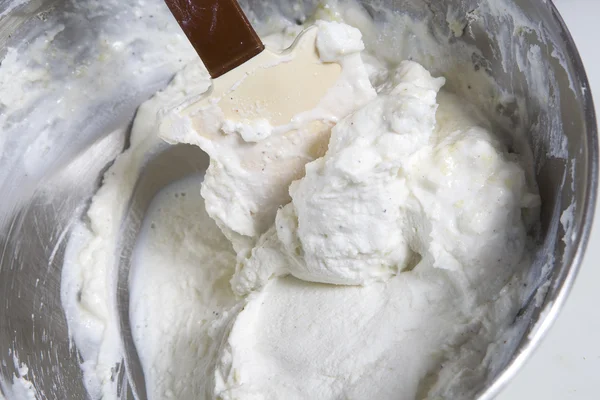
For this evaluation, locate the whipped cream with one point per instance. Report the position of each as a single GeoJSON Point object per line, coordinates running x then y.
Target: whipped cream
{"type": "Point", "coordinates": [378, 256]}
{"type": "Point", "coordinates": [347, 222]}
{"type": "Point", "coordinates": [393, 189]}
{"type": "Point", "coordinates": [433, 212]}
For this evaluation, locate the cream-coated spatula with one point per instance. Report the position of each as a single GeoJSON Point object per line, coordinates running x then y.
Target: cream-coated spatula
{"type": "Point", "coordinates": [249, 81]}
{"type": "Point", "coordinates": [267, 114]}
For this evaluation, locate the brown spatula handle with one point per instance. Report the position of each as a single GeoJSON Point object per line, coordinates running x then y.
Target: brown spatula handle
{"type": "Point", "coordinates": [219, 31]}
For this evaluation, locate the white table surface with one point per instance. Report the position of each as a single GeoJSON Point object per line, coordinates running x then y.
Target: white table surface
{"type": "Point", "coordinates": [567, 363]}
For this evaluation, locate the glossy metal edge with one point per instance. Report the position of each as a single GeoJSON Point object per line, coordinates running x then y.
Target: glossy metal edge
{"type": "Point", "coordinates": [557, 299]}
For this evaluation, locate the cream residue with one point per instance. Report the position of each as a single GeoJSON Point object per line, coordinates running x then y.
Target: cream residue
{"type": "Point", "coordinates": [22, 387]}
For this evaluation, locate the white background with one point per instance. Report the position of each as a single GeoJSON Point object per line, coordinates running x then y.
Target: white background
{"type": "Point", "coordinates": [567, 363]}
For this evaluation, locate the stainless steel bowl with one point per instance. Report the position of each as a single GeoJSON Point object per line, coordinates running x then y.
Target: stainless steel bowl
{"type": "Point", "coordinates": [39, 204]}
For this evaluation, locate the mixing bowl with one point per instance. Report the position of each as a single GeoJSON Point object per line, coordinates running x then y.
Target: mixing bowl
{"type": "Point", "coordinates": [59, 133]}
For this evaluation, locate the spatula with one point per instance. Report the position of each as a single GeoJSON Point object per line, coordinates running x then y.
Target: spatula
{"type": "Point", "coordinates": [249, 81]}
